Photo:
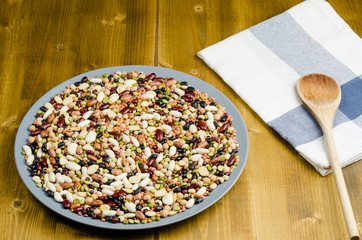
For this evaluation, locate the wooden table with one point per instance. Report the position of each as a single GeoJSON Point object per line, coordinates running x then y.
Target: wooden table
{"type": "Point", "coordinates": [43, 43]}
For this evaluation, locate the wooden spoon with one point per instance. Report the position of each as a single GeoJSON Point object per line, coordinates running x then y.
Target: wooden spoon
{"type": "Point", "coordinates": [321, 94]}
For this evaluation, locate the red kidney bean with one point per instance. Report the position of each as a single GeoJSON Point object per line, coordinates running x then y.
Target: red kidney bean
{"type": "Point", "coordinates": [195, 185]}
{"type": "Point", "coordinates": [110, 203]}
{"type": "Point", "coordinates": [150, 76]}
{"type": "Point", "coordinates": [103, 198]}
{"type": "Point", "coordinates": [151, 161]}
{"type": "Point", "coordinates": [231, 161]}
{"type": "Point", "coordinates": [178, 108]}
{"type": "Point", "coordinates": [125, 110]}
{"type": "Point", "coordinates": [83, 110]}
{"type": "Point", "coordinates": [187, 98]}
{"type": "Point", "coordinates": [66, 203]}
{"type": "Point", "coordinates": [194, 145]}
{"type": "Point", "coordinates": [159, 79]}
{"type": "Point", "coordinates": [39, 166]}
{"type": "Point", "coordinates": [202, 125]}
{"type": "Point", "coordinates": [184, 191]}
{"type": "Point", "coordinates": [223, 128]}
{"type": "Point", "coordinates": [113, 90]}
{"type": "Point", "coordinates": [119, 194]}
{"type": "Point", "coordinates": [35, 133]}
{"type": "Point", "coordinates": [146, 171]}
{"type": "Point", "coordinates": [61, 121]}
{"type": "Point", "coordinates": [190, 94]}
{"type": "Point", "coordinates": [215, 139]}
{"type": "Point", "coordinates": [58, 106]}
{"type": "Point", "coordinates": [104, 106]}
{"type": "Point", "coordinates": [124, 93]}
{"type": "Point", "coordinates": [115, 220]}
{"type": "Point", "coordinates": [115, 135]}
{"type": "Point", "coordinates": [159, 135]}
{"type": "Point", "coordinates": [45, 126]}
{"type": "Point", "coordinates": [78, 209]}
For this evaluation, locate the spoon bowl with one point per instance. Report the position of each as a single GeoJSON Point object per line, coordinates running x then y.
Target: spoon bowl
{"type": "Point", "coordinates": [321, 94]}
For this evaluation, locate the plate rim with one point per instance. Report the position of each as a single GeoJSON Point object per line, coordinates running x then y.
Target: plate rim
{"type": "Point", "coordinates": [215, 196]}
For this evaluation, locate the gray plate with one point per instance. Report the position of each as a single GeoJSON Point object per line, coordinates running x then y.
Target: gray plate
{"type": "Point", "coordinates": [221, 190]}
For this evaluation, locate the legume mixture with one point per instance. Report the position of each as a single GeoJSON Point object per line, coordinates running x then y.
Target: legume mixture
{"type": "Point", "coordinates": [131, 148]}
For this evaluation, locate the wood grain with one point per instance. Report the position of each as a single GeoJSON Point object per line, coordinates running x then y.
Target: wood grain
{"type": "Point", "coordinates": [43, 43]}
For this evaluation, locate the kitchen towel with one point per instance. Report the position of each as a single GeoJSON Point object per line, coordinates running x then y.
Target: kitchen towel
{"type": "Point", "coordinates": [263, 64]}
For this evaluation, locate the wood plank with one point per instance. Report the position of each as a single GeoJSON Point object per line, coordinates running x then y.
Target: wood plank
{"type": "Point", "coordinates": [44, 43]}
{"type": "Point", "coordinates": [279, 195]}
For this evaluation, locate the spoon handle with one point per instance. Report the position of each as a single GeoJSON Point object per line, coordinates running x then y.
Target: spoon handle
{"type": "Point", "coordinates": [341, 185]}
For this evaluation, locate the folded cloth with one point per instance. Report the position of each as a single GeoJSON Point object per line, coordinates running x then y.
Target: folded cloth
{"type": "Point", "coordinates": [263, 64]}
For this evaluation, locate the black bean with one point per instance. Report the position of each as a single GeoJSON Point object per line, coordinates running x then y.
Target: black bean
{"type": "Point", "coordinates": [190, 89]}
{"type": "Point", "coordinates": [99, 135]}
{"type": "Point", "coordinates": [221, 150]}
{"type": "Point", "coordinates": [178, 158]}
{"type": "Point", "coordinates": [89, 211]}
{"type": "Point", "coordinates": [158, 91]}
{"type": "Point", "coordinates": [49, 193]}
{"type": "Point", "coordinates": [61, 144]}
{"type": "Point", "coordinates": [194, 176]}
{"type": "Point", "coordinates": [129, 175]}
{"type": "Point", "coordinates": [139, 207]}
{"type": "Point", "coordinates": [158, 208]}
{"type": "Point", "coordinates": [34, 172]}
{"type": "Point", "coordinates": [102, 165]}
{"type": "Point", "coordinates": [172, 138]}
{"type": "Point", "coordinates": [44, 109]}
{"type": "Point", "coordinates": [172, 186]}
{"type": "Point", "coordinates": [184, 187]}
{"type": "Point", "coordinates": [84, 79]}
{"type": "Point", "coordinates": [77, 84]}
{"type": "Point", "coordinates": [199, 200]}
{"type": "Point", "coordinates": [138, 190]}
{"type": "Point", "coordinates": [187, 198]}
{"type": "Point", "coordinates": [90, 186]}
{"type": "Point", "coordinates": [142, 80]}
{"type": "Point", "coordinates": [108, 218]}
{"type": "Point", "coordinates": [177, 190]}
{"type": "Point", "coordinates": [81, 163]}
{"type": "Point", "coordinates": [223, 119]}
{"type": "Point", "coordinates": [181, 150]}
{"type": "Point", "coordinates": [212, 104]}
{"type": "Point", "coordinates": [184, 83]}
{"type": "Point", "coordinates": [153, 156]}
{"type": "Point", "coordinates": [219, 173]}
{"type": "Point", "coordinates": [194, 104]}
{"type": "Point", "coordinates": [191, 166]}
{"type": "Point", "coordinates": [162, 105]}
{"type": "Point", "coordinates": [208, 139]}
{"type": "Point", "coordinates": [91, 162]}
{"type": "Point", "coordinates": [186, 126]}
{"type": "Point", "coordinates": [216, 125]}
{"type": "Point", "coordinates": [44, 149]}
{"type": "Point", "coordinates": [96, 127]}
{"type": "Point", "coordinates": [203, 104]}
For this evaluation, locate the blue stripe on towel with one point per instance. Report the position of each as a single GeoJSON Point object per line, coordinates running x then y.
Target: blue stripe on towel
{"type": "Point", "coordinates": [351, 103]}
{"type": "Point", "coordinates": [298, 126]}
{"type": "Point", "coordinates": [283, 36]}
